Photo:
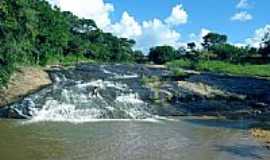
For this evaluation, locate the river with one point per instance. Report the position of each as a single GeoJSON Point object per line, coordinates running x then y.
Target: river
{"type": "Point", "coordinates": [182, 138]}
{"type": "Point", "coordinates": [105, 113]}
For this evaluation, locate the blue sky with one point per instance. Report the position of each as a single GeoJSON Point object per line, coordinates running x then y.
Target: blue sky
{"type": "Point", "coordinates": [176, 22]}
{"type": "Point", "coordinates": [212, 14]}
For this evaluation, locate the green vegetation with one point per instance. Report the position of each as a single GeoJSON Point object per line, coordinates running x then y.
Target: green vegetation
{"type": "Point", "coordinates": [162, 54]}
{"type": "Point", "coordinates": [181, 63]}
{"type": "Point", "coordinates": [235, 69]}
{"type": "Point", "coordinates": [222, 67]}
{"type": "Point", "coordinates": [218, 56]}
{"type": "Point", "coordinates": [34, 33]}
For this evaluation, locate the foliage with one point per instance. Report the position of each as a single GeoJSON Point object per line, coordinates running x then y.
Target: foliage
{"type": "Point", "coordinates": [212, 39]}
{"type": "Point", "coordinates": [162, 54]}
{"type": "Point", "coordinates": [5, 73]}
{"type": "Point", "coordinates": [223, 67]}
{"type": "Point", "coordinates": [235, 69]}
{"type": "Point", "coordinates": [34, 33]}
{"type": "Point", "coordinates": [178, 72]}
{"type": "Point", "coordinates": [228, 52]}
{"type": "Point", "coordinates": [139, 57]}
{"type": "Point", "coordinates": [181, 63]}
{"type": "Point", "coordinates": [265, 47]}
{"type": "Point", "coordinates": [191, 45]}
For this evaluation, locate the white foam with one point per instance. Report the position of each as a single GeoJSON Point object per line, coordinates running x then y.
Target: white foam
{"type": "Point", "coordinates": [151, 120]}
{"type": "Point", "coordinates": [132, 98]}
{"type": "Point", "coordinates": [55, 111]}
{"type": "Point", "coordinates": [60, 77]}
{"type": "Point", "coordinates": [120, 76]}
{"type": "Point", "coordinates": [126, 76]}
{"type": "Point", "coordinates": [107, 71]}
{"type": "Point", "coordinates": [103, 84]}
{"type": "Point", "coordinates": [75, 105]}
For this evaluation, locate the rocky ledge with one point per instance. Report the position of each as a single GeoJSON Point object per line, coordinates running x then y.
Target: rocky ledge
{"type": "Point", "coordinates": [208, 94]}
{"type": "Point", "coordinates": [198, 94]}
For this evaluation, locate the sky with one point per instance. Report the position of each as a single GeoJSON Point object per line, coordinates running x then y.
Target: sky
{"type": "Point", "coordinates": [176, 22]}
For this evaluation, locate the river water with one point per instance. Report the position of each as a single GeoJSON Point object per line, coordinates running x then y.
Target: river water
{"type": "Point", "coordinates": [181, 138]}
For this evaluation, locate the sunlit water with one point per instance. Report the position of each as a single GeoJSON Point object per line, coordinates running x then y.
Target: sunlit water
{"type": "Point", "coordinates": [180, 139]}
{"type": "Point", "coordinates": [69, 121]}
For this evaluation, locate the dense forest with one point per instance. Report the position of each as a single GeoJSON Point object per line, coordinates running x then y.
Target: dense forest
{"type": "Point", "coordinates": [35, 33]}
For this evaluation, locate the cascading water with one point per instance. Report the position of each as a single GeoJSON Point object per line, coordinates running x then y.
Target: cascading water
{"type": "Point", "coordinates": [76, 100]}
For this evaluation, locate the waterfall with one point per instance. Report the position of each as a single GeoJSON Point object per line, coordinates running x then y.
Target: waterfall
{"type": "Point", "coordinates": [83, 101]}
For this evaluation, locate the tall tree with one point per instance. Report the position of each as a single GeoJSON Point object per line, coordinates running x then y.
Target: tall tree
{"type": "Point", "coordinates": [265, 45]}
{"type": "Point", "coordinates": [191, 45]}
{"type": "Point", "coordinates": [212, 39]}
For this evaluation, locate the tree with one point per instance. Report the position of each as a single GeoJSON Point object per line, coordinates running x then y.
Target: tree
{"type": "Point", "coordinates": [212, 39]}
{"type": "Point", "coordinates": [191, 45]}
{"type": "Point", "coordinates": [162, 54]}
{"type": "Point", "coordinates": [181, 51]}
{"type": "Point", "coordinates": [228, 52]}
{"type": "Point", "coordinates": [265, 45]}
{"type": "Point", "coordinates": [34, 32]}
{"type": "Point", "coordinates": [139, 56]}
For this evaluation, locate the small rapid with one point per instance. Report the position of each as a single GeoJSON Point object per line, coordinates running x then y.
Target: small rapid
{"type": "Point", "coordinates": [70, 99]}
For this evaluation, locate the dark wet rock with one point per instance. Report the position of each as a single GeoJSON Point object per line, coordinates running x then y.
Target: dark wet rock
{"type": "Point", "coordinates": [195, 94]}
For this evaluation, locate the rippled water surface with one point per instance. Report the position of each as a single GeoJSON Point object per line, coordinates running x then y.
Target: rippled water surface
{"type": "Point", "coordinates": [185, 139]}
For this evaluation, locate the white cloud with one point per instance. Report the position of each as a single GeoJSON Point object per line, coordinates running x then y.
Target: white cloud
{"type": "Point", "coordinates": [256, 40]}
{"type": "Point", "coordinates": [128, 27]}
{"type": "Point", "coordinates": [242, 16]}
{"type": "Point", "coordinates": [94, 9]}
{"type": "Point", "coordinates": [155, 32]}
{"type": "Point", "coordinates": [240, 45]}
{"type": "Point", "coordinates": [178, 16]}
{"type": "Point", "coordinates": [243, 4]}
{"type": "Point", "coordinates": [53, 2]}
{"type": "Point", "coordinates": [147, 34]}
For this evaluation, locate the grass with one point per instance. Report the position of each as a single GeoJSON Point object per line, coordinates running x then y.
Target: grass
{"type": "Point", "coordinates": [69, 60]}
{"type": "Point", "coordinates": [181, 63]}
{"type": "Point", "coordinates": [223, 67]}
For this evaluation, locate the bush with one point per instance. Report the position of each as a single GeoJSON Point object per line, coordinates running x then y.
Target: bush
{"type": "Point", "coordinates": [5, 73]}
{"type": "Point", "coordinates": [228, 52]}
{"type": "Point", "coordinates": [162, 54]}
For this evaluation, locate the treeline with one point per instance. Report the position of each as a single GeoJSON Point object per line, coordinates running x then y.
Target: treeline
{"type": "Point", "coordinates": [34, 33]}
{"type": "Point", "coordinates": [214, 47]}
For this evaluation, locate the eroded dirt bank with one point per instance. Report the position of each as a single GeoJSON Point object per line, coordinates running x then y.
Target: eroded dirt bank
{"type": "Point", "coordinates": [24, 81]}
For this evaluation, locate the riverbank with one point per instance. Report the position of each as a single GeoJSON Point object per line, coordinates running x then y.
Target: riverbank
{"type": "Point", "coordinates": [23, 82]}
{"type": "Point", "coordinates": [261, 135]}
{"type": "Point", "coordinates": [222, 67]}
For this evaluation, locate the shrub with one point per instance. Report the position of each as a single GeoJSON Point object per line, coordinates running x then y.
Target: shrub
{"type": "Point", "coordinates": [162, 54]}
